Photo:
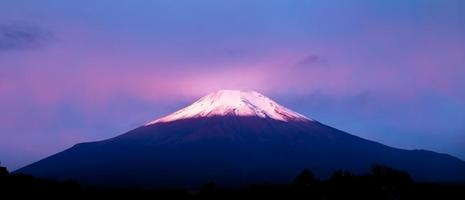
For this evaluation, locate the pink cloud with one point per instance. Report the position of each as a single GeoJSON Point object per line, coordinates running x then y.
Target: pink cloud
{"type": "Point", "coordinates": [74, 70]}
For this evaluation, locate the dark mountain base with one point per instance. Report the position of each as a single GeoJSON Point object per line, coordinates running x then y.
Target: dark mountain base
{"type": "Point", "coordinates": [380, 183]}
{"type": "Point", "coordinates": [233, 151]}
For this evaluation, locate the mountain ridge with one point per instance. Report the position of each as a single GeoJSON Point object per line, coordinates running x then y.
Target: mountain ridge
{"type": "Point", "coordinates": [235, 149]}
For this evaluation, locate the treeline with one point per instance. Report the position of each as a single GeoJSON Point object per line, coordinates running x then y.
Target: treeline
{"type": "Point", "coordinates": [380, 183]}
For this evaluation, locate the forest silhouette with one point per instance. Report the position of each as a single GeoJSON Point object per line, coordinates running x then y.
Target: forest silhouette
{"type": "Point", "coordinates": [380, 183]}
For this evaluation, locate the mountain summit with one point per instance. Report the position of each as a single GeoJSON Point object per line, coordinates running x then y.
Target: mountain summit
{"type": "Point", "coordinates": [234, 103]}
{"type": "Point", "coordinates": [233, 138]}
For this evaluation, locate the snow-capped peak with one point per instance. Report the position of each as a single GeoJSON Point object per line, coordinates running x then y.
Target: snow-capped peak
{"type": "Point", "coordinates": [234, 103]}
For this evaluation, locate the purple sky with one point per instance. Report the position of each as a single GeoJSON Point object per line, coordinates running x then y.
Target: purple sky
{"type": "Point", "coordinates": [391, 71]}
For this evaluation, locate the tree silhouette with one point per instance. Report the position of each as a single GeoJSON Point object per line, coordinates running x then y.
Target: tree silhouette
{"type": "Point", "coordinates": [390, 176]}
{"type": "Point", "coordinates": [3, 170]}
{"type": "Point", "coordinates": [341, 175]}
{"type": "Point", "coordinates": [305, 179]}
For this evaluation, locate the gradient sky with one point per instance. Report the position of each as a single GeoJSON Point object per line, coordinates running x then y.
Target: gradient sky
{"type": "Point", "coordinates": [74, 71]}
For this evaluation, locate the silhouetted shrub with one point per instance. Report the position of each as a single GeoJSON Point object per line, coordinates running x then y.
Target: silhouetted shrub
{"type": "Point", "coordinates": [389, 176]}
{"type": "Point", "coordinates": [305, 179]}
{"type": "Point", "coordinates": [340, 175]}
{"type": "Point", "coordinates": [3, 170]}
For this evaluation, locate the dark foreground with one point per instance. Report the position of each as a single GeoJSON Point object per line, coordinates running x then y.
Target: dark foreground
{"type": "Point", "coordinates": [380, 183]}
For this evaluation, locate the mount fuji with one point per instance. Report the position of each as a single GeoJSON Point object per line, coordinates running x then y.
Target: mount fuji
{"type": "Point", "coordinates": [234, 138]}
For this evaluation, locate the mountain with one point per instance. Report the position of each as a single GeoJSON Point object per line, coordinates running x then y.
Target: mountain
{"type": "Point", "coordinates": [234, 103]}
{"type": "Point", "coordinates": [233, 138]}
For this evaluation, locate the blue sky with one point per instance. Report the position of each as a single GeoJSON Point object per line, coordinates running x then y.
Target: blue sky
{"type": "Point", "coordinates": [76, 71]}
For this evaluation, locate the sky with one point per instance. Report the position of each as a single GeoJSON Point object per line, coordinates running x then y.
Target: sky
{"type": "Point", "coordinates": [77, 71]}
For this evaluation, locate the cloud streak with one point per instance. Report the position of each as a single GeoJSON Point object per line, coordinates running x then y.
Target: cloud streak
{"type": "Point", "coordinates": [22, 35]}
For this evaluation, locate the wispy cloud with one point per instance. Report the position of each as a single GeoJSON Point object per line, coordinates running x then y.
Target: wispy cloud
{"type": "Point", "coordinates": [22, 35]}
{"type": "Point", "coordinates": [312, 60]}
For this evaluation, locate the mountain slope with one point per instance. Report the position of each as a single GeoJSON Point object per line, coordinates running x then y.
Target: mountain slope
{"type": "Point", "coordinates": [233, 138]}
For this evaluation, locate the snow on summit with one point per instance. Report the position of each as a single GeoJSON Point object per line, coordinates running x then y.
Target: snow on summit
{"type": "Point", "coordinates": [234, 103]}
